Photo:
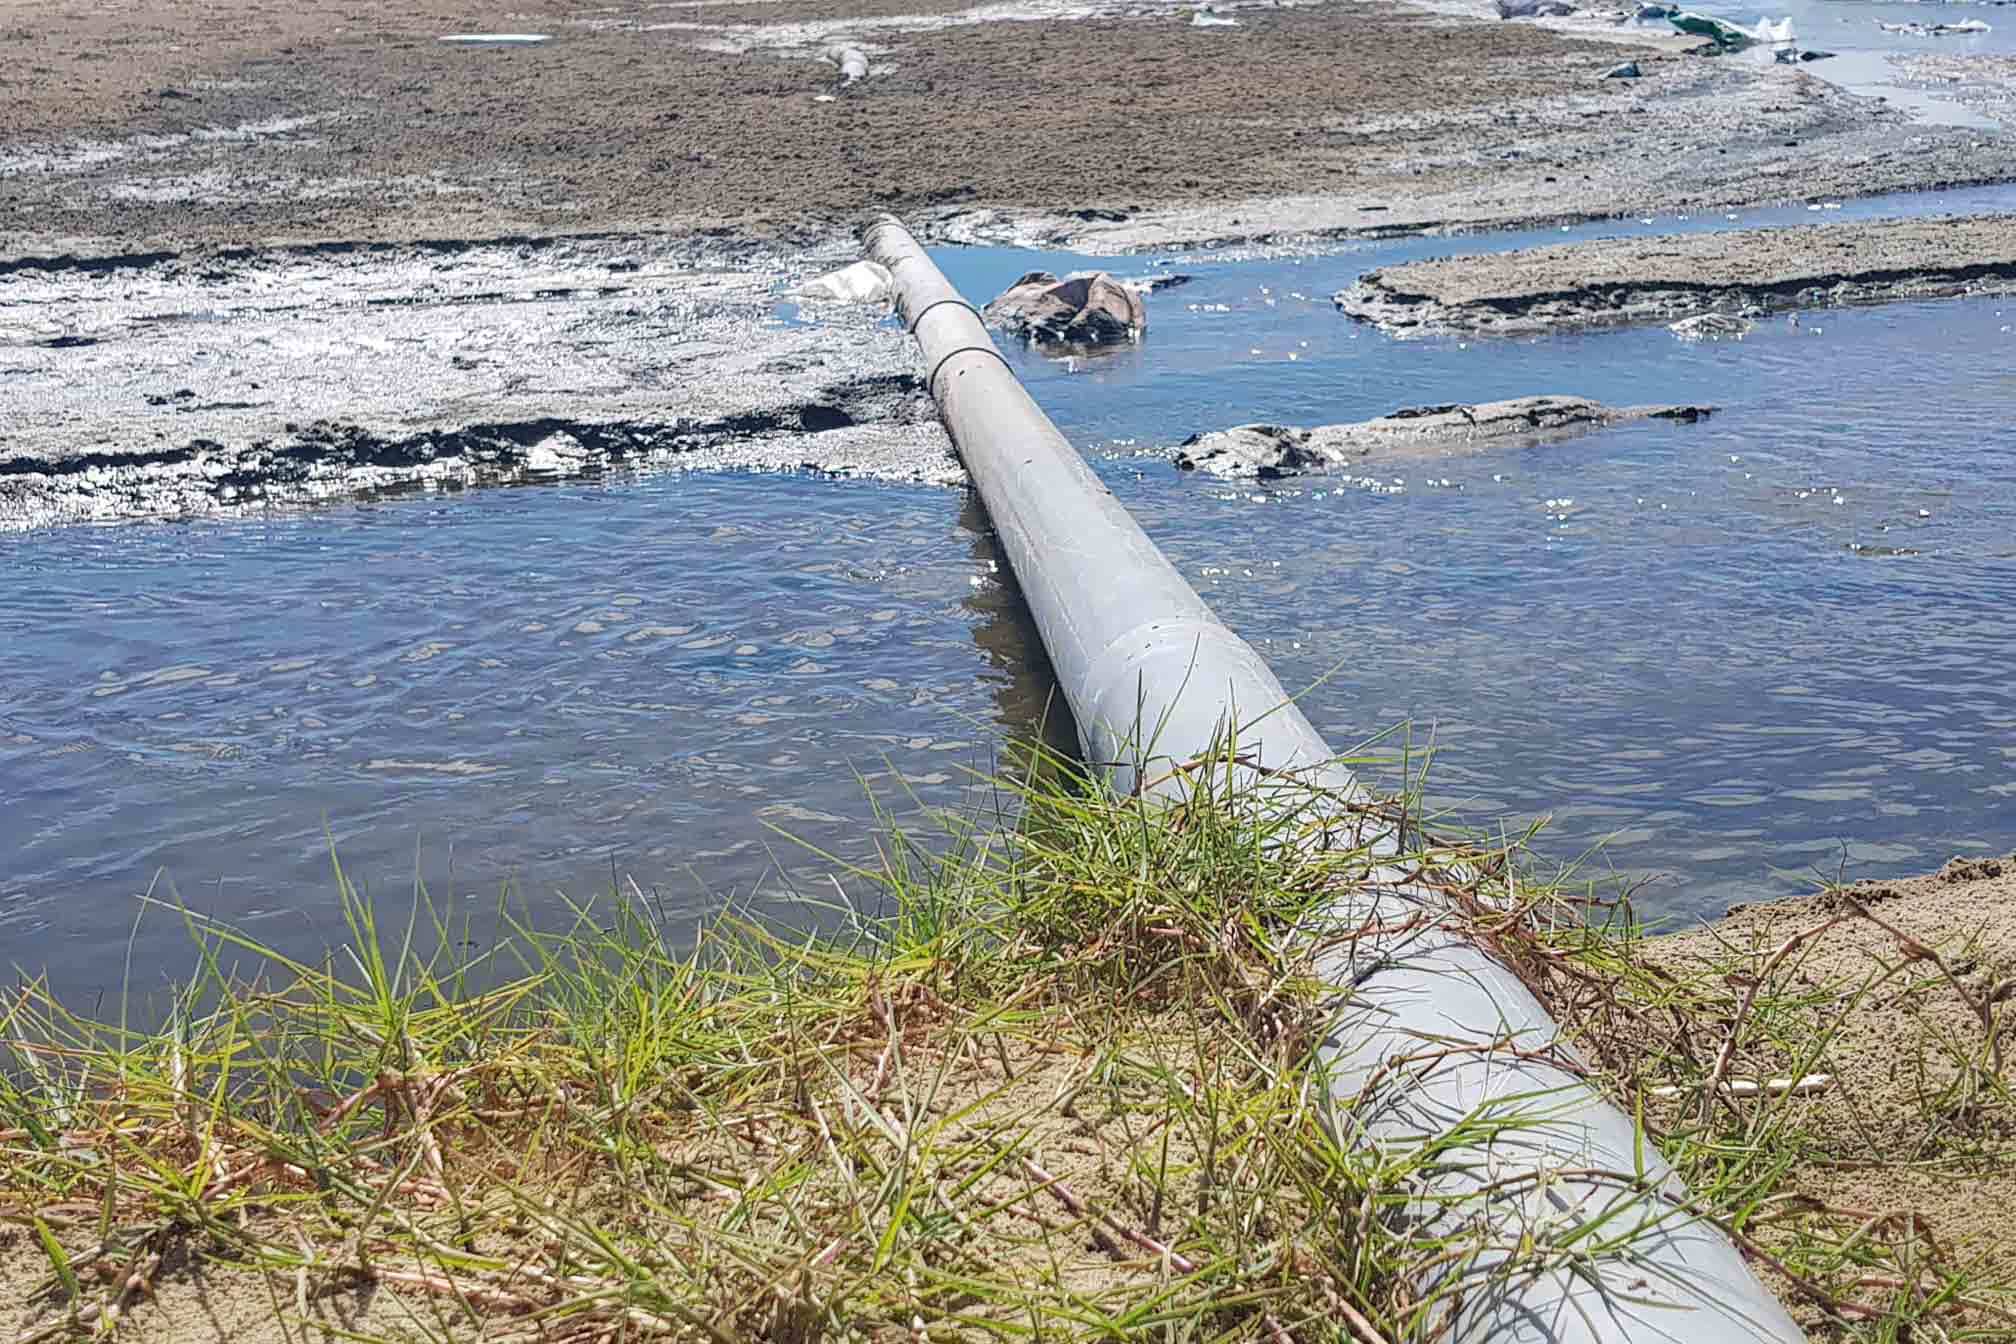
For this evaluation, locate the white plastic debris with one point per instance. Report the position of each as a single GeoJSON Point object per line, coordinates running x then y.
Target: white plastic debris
{"type": "Point", "coordinates": [497, 39]}
{"type": "Point", "coordinates": [1207, 17]}
{"type": "Point", "coordinates": [853, 62]}
{"type": "Point", "coordinates": [1743, 1087]}
{"type": "Point", "coordinates": [863, 282]}
{"type": "Point", "coordinates": [1961, 29]}
{"type": "Point", "coordinates": [1711, 327]}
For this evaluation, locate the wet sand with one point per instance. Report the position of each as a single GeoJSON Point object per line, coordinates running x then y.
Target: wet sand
{"type": "Point", "coordinates": [168, 127]}
{"type": "Point", "coordinates": [1657, 279]}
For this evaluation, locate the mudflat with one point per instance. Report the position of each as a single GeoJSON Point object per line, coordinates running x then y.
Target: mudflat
{"type": "Point", "coordinates": [170, 125]}
{"type": "Point", "coordinates": [1751, 271]}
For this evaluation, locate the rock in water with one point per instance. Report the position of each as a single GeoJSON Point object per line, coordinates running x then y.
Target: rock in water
{"type": "Point", "coordinates": [1085, 308]}
{"type": "Point", "coordinates": [1269, 451]}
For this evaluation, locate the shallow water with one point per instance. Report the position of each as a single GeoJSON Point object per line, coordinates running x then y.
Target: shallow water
{"type": "Point", "coordinates": [1673, 639]}
{"type": "Point", "coordinates": [1863, 51]}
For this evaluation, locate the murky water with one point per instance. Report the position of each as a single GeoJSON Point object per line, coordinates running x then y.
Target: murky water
{"type": "Point", "coordinates": [1734, 654]}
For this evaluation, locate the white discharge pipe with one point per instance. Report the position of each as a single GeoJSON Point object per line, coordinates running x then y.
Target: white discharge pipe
{"type": "Point", "coordinates": [1439, 1051]}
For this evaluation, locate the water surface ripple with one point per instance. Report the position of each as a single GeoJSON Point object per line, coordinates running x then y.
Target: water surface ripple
{"type": "Point", "coordinates": [1735, 654]}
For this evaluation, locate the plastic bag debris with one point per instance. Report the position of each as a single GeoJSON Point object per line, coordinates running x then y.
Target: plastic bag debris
{"type": "Point", "coordinates": [1628, 70]}
{"type": "Point", "coordinates": [1210, 18]}
{"type": "Point", "coordinates": [1152, 284]}
{"type": "Point", "coordinates": [863, 282]}
{"type": "Point", "coordinates": [496, 39]}
{"type": "Point", "coordinates": [1728, 36]}
{"type": "Point", "coordinates": [1962, 28]}
{"type": "Point", "coordinates": [853, 63]}
{"type": "Point", "coordinates": [1712, 327]}
{"type": "Point", "coordinates": [1735, 37]}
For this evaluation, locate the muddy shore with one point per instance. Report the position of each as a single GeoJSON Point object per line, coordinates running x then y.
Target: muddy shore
{"type": "Point", "coordinates": [1114, 123]}
{"type": "Point", "coordinates": [1657, 279]}
{"type": "Point", "coordinates": [560, 257]}
{"type": "Point", "coordinates": [178, 387]}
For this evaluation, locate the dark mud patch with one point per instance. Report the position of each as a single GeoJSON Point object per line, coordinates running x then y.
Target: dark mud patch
{"type": "Point", "coordinates": [884, 429]}
{"type": "Point", "coordinates": [1639, 280]}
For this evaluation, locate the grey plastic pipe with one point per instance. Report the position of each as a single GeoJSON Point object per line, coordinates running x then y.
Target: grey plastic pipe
{"type": "Point", "coordinates": [1438, 1049]}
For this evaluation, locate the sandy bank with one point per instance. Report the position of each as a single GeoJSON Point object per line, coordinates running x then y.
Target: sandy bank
{"type": "Point", "coordinates": [1901, 987]}
{"type": "Point", "coordinates": [1629, 280]}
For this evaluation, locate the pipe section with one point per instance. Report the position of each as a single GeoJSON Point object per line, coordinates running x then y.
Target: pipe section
{"type": "Point", "coordinates": [1438, 1049]}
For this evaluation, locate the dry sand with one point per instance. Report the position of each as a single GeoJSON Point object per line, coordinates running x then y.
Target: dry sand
{"type": "Point", "coordinates": [1896, 1132]}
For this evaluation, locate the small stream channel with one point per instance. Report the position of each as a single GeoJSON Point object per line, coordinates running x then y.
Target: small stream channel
{"type": "Point", "coordinates": [1733, 655]}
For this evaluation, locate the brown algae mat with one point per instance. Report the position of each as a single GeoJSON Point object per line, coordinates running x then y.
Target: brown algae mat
{"type": "Point", "coordinates": [1657, 279]}
{"type": "Point", "coordinates": [1063, 1088]}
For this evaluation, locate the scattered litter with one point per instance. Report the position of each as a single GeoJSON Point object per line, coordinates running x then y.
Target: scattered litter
{"type": "Point", "coordinates": [1777, 34]}
{"type": "Point", "coordinates": [1729, 36]}
{"type": "Point", "coordinates": [1210, 18]}
{"type": "Point", "coordinates": [496, 39]}
{"type": "Point", "coordinates": [863, 282]}
{"type": "Point", "coordinates": [1734, 36]}
{"type": "Point", "coordinates": [1712, 327]}
{"type": "Point", "coordinates": [1628, 70]}
{"type": "Point", "coordinates": [1962, 28]}
{"type": "Point", "coordinates": [853, 63]}
{"type": "Point", "coordinates": [1152, 284]}
{"type": "Point", "coordinates": [1775, 1087]}
{"type": "Point", "coordinates": [824, 98]}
